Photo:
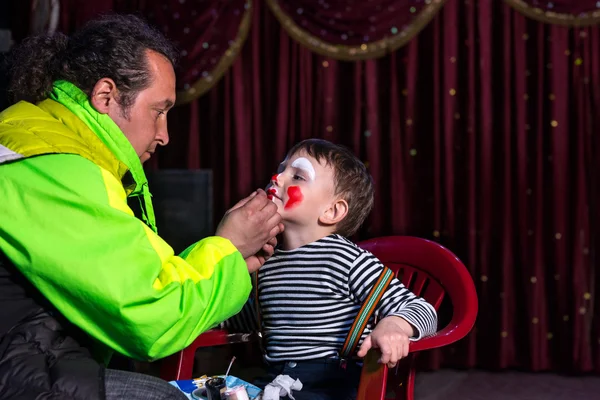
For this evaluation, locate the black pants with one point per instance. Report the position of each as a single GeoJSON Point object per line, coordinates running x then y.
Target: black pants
{"type": "Point", "coordinates": [322, 379]}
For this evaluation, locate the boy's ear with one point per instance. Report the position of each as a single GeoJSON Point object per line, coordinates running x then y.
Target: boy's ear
{"type": "Point", "coordinates": [104, 95]}
{"type": "Point", "coordinates": [336, 212]}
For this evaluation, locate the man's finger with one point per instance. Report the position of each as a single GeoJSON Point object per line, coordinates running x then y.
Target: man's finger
{"type": "Point", "coordinates": [258, 201]}
{"type": "Point", "coordinates": [242, 202]}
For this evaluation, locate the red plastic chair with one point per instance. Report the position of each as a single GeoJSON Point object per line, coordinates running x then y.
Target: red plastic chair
{"type": "Point", "coordinates": [430, 271]}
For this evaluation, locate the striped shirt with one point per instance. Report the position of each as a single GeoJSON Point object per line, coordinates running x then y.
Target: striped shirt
{"type": "Point", "coordinates": [310, 296]}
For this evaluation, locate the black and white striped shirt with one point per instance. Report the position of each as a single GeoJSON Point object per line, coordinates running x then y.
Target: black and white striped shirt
{"type": "Point", "coordinates": [310, 296]}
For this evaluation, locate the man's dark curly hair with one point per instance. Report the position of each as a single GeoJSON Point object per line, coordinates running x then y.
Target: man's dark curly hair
{"type": "Point", "coordinates": [113, 46]}
{"type": "Point", "coordinates": [352, 180]}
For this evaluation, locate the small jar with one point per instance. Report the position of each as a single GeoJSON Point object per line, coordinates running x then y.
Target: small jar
{"type": "Point", "coordinates": [215, 388]}
{"type": "Point", "coordinates": [236, 393]}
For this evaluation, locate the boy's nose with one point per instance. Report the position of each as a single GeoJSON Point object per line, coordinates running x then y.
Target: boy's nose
{"type": "Point", "coordinates": [274, 179]}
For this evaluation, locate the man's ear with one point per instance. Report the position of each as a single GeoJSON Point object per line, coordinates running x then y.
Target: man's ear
{"type": "Point", "coordinates": [336, 212]}
{"type": "Point", "coordinates": [104, 95]}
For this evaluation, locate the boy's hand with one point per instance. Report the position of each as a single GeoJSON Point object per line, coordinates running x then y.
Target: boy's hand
{"type": "Point", "coordinates": [258, 260]}
{"type": "Point", "coordinates": [391, 337]}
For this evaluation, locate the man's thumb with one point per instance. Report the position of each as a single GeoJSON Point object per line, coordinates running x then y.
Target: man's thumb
{"type": "Point", "coordinates": [364, 348]}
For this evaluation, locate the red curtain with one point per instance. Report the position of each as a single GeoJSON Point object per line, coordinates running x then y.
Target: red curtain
{"type": "Point", "coordinates": [480, 133]}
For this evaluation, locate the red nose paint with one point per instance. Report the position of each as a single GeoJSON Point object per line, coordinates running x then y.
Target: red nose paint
{"type": "Point", "coordinates": [294, 197]}
{"type": "Point", "coordinates": [274, 178]}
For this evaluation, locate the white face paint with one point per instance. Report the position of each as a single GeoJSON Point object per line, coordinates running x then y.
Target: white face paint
{"type": "Point", "coordinates": [305, 165]}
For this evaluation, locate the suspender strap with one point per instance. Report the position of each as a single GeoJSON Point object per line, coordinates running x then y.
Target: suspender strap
{"type": "Point", "coordinates": [367, 309]}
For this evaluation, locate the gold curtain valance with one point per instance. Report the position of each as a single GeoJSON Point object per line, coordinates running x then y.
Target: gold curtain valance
{"type": "Point", "coordinates": [205, 83]}
{"type": "Point", "coordinates": [548, 16]}
{"type": "Point", "coordinates": [366, 50]}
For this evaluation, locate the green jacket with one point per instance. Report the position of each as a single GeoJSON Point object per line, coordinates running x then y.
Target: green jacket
{"type": "Point", "coordinates": [67, 227]}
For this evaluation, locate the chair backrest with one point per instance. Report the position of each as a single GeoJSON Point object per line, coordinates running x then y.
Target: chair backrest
{"type": "Point", "coordinates": [431, 271]}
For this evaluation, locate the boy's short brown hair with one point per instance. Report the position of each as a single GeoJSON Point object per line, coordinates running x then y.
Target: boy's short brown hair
{"type": "Point", "coordinates": [352, 181]}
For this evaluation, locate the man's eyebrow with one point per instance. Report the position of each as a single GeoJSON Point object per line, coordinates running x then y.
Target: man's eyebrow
{"type": "Point", "coordinates": [165, 103]}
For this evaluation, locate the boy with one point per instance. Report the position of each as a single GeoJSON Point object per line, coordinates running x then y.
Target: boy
{"type": "Point", "coordinates": [311, 289]}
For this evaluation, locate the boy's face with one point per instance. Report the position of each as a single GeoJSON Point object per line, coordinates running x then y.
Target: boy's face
{"type": "Point", "coordinates": [302, 189]}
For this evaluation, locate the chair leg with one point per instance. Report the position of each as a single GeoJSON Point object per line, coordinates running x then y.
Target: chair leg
{"type": "Point", "coordinates": [402, 380]}
{"type": "Point", "coordinates": [178, 366]}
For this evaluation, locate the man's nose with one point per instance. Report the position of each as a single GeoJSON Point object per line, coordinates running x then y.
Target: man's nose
{"type": "Point", "coordinates": [163, 135]}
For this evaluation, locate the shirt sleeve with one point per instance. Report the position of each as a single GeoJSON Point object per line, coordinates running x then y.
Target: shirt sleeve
{"type": "Point", "coordinates": [67, 227]}
{"type": "Point", "coordinates": [397, 300]}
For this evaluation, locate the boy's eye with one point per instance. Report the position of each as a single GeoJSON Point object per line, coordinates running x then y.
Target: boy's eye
{"type": "Point", "coordinates": [297, 177]}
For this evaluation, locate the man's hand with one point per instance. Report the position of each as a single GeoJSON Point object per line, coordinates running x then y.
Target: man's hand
{"type": "Point", "coordinates": [391, 337]}
{"type": "Point", "coordinates": [258, 260]}
{"type": "Point", "coordinates": [250, 224]}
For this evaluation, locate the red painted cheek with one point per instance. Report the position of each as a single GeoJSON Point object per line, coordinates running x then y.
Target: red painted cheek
{"type": "Point", "coordinates": [294, 197]}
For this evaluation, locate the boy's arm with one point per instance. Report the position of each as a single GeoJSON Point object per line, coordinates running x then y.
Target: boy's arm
{"type": "Point", "coordinates": [398, 301]}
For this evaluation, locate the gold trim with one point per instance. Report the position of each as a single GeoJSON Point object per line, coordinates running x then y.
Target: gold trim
{"type": "Point", "coordinates": [551, 17]}
{"type": "Point", "coordinates": [203, 84]}
{"type": "Point", "coordinates": [364, 51]}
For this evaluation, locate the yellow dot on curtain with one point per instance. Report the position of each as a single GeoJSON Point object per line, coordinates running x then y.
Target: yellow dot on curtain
{"type": "Point", "coordinates": [587, 296]}
{"type": "Point", "coordinates": [413, 152]}
{"type": "Point", "coordinates": [363, 47]}
{"type": "Point", "coordinates": [484, 278]}
{"type": "Point", "coordinates": [554, 123]}
{"type": "Point", "coordinates": [582, 310]}
{"type": "Point", "coordinates": [578, 61]}
{"type": "Point", "coordinates": [557, 277]}
{"type": "Point", "coordinates": [504, 334]}
{"type": "Point", "coordinates": [436, 233]}
{"type": "Point", "coordinates": [558, 236]}
{"type": "Point", "coordinates": [405, 92]}
{"type": "Point", "coordinates": [525, 36]}
{"type": "Point", "coordinates": [525, 97]}
{"type": "Point", "coordinates": [535, 320]}
{"type": "Point", "coordinates": [452, 92]}
{"type": "Point", "coordinates": [325, 64]}
{"type": "Point", "coordinates": [551, 96]}
{"type": "Point", "coordinates": [549, 335]}
{"type": "Point", "coordinates": [456, 116]}
{"type": "Point", "coordinates": [567, 52]}
{"type": "Point", "coordinates": [452, 60]}
{"type": "Point", "coordinates": [329, 128]}
{"type": "Point", "coordinates": [565, 318]}
{"type": "Point", "coordinates": [586, 251]}
{"type": "Point", "coordinates": [413, 10]}
{"type": "Point", "coordinates": [533, 279]}
{"type": "Point", "coordinates": [409, 122]}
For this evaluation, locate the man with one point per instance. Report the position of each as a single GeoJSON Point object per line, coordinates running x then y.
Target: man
{"type": "Point", "coordinates": [80, 275]}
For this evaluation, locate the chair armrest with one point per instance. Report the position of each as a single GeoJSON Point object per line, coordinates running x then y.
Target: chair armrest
{"type": "Point", "coordinates": [218, 337]}
{"type": "Point", "coordinates": [450, 334]}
